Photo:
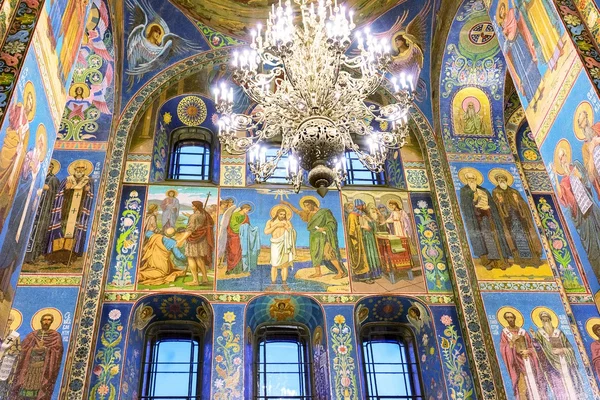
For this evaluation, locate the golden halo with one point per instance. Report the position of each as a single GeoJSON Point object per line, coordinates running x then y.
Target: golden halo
{"type": "Point", "coordinates": [584, 106]}
{"type": "Point", "coordinates": [386, 198]}
{"type": "Point", "coordinates": [464, 171]}
{"type": "Point", "coordinates": [498, 18]}
{"type": "Point", "coordinates": [54, 166]}
{"type": "Point", "coordinates": [590, 324]}
{"type": "Point", "coordinates": [564, 145]}
{"type": "Point", "coordinates": [318, 335]}
{"type": "Point", "coordinates": [40, 134]}
{"type": "Point", "coordinates": [313, 198]}
{"type": "Point", "coordinates": [36, 323]}
{"type": "Point", "coordinates": [288, 211]}
{"type": "Point", "coordinates": [519, 320]}
{"type": "Point", "coordinates": [535, 316]}
{"type": "Point", "coordinates": [29, 90]}
{"type": "Point", "coordinates": [89, 167]}
{"type": "Point", "coordinates": [393, 39]}
{"type": "Point", "coordinates": [172, 190]}
{"type": "Point", "coordinates": [149, 28]}
{"type": "Point", "coordinates": [86, 90]}
{"type": "Point", "coordinates": [17, 319]}
{"type": "Point", "coordinates": [510, 179]}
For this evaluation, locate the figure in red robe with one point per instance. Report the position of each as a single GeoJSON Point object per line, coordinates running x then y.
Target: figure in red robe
{"type": "Point", "coordinates": [595, 348]}
{"type": "Point", "coordinates": [520, 358]}
{"type": "Point", "coordinates": [39, 363]}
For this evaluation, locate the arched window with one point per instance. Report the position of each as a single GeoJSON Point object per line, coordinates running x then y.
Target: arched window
{"type": "Point", "coordinates": [191, 154]}
{"type": "Point", "coordinates": [172, 362]}
{"type": "Point", "coordinates": [390, 363]}
{"type": "Point", "coordinates": [358, 174]}
{"type": "Point", "coordinates": [282, 363]}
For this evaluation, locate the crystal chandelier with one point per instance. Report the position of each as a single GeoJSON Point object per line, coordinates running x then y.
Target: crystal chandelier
{"type": "Point", "coordinates": [310, 94]}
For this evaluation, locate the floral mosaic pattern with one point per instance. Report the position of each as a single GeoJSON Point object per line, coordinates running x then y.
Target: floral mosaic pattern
{"type": "Point", "coordinates": [343, 362]}
{"type": "Point", "coordinates": [107, 362]}
{"type": "Point", "coordinates": [459, 379]}
{"type": "Point", "coordinates": [561, 251]}
{"type": "Point", "coordinates": [432, 251]}
{"type": "Point", "coordinates": [228, 361]}
{"type": "Point", "coordinates": [18, 38]}
{"type": "Point", "coordinates": [137, 172]}
{"type": "Point", "coordinates": [126, 246]}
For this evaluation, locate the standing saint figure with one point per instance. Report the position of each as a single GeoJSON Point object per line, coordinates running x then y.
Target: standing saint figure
{"type": "Point", "coordinates": [283, 243]}
{"type": "Point", "coordinates": [199, 242]}
{"type": "Point", "coordinates": [517, 224]}
{"type": "Point", "coordinates": [573, 193]}
{"type": "Point", "coordinates": [483, 221]}
{"type": "Point", "coordinates": [520, 358]}
{"type": "Point", "coordinates": [10, 349]}
{"type": "Point", "coordinates": [557, 357]}
{"type": "Point", "coordinates": [39, 363]}
{"type": "Point", "coordinates": [595, 349]}
{"type": "Point", "coordinates": [13, 149]}
{"type": "Point", "coordinates": [71, 213]}
{"type": "Point", "coordinates": [38, 240]}
{"type": "Point", "coordinates": [590, 149]}
{"type": "Point", "coordinates": [520, 50]}
{"type": "Point", "coordinates": [226, 209]}
{"type": "Point", "coordinates": [170, 210]}
{"type": "Point", "coordinates": [323, 241]}
{"type": "Point", "coordinates": [399, 220]}
{"type": "Point", "coordinates": [362, 246]}
{"type": "Point", "coordinates": [546, 27]}
{"type": "Point", "coordinates": [243, 242]}
{"type": "Point", "coordinates": [27, 194]}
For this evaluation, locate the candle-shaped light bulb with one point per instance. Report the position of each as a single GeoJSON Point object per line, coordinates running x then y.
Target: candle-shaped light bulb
{"type": "Point", "coordinates": [230, 95]}
{"type": "Point", "coordinates": [216, 93]}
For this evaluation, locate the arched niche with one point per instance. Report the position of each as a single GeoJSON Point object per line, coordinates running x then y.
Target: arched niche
{"type": "Point", "coordinates": [413, 314]}
{"type": "Point", "coordinates": [165, 308]}
{"type": "Point", "coordinates": [281, 309]}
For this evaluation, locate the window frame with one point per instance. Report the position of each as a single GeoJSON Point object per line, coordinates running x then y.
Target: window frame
{"type": "Point", "coordinates": [377, 179]}
{"type": "Point", "coordinates": [191, 134]}
{"type": "Point", "coordinates": [400, 333]}
{"type": "Point", "coordinates": [292, 328]}
{"type": "Point", "coordinates": [159, 331]}
{"type": "Point", "coordinates": [274, 147]}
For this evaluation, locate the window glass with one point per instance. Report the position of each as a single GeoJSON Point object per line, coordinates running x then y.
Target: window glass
{"type": "Point", "coordinates": [358, 174]}
{"type": "Point", "coordinates": [280, 173]}
{"type": "Point", "coordinates": [283, 365]}
{"type": "Point", "coordinates": [191, 160]}
{"type": "Point", "coordinates": [390, 367]}
{"type": "Point", "coordinates": [172, 365]}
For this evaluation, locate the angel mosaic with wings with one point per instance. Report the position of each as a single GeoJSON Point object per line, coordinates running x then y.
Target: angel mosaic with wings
{"type": "Point", "coordinates": [151, 44]}
{"type": "Point", "coordinates": [407, 40]}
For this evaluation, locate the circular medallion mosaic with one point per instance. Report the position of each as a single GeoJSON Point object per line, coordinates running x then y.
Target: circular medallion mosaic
{"type": "Point", "coordinates": [481, 33]}
{"type": "Point", "coordinates": [191, 110]}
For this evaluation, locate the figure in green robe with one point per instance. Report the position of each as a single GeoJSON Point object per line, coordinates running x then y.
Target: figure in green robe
{"type": "Point", "coordinates": [557, 359]}
{"type": "Point", "coordinates": [323, 242]}
{"type": "Point", "coordinates": [362, 245]}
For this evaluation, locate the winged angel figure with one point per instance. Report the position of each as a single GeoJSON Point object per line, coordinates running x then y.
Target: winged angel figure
{"type": "Point", "coordinates": [151, 43]}
{"type": "Point", "coordinates": [407, 44]}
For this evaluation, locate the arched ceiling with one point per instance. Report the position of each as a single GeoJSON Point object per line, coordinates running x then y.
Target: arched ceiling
{"type": "Point", "coordinates": [237, 17]}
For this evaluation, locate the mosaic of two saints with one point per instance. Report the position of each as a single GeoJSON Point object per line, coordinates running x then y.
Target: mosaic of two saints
{"type": "Point", "coordinates": [263, 240]}
{"type": "Point", "coordinates": [500, 226]}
